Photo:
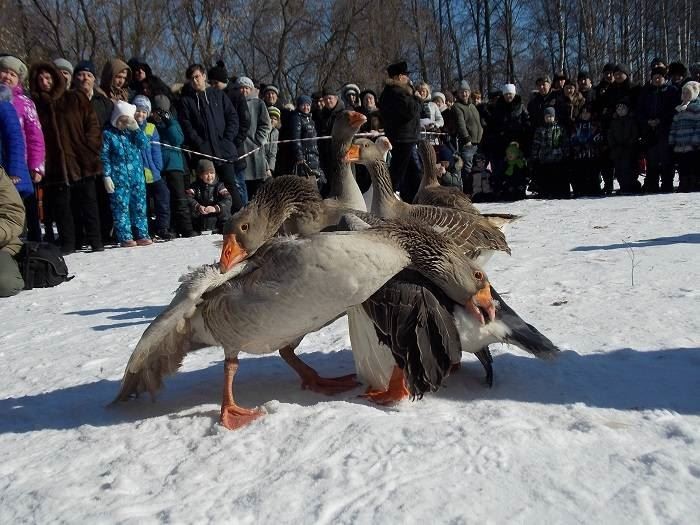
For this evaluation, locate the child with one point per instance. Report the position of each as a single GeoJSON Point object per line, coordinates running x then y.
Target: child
{"type": "Point", "coordinates": [586, 141]}
{"type": "Point", "coordinates": [549, 150]}
{"type": "Point", "coordinates": [623, 137]}
{"type": "Point", "coordinates": [173, 165]}
{"type": "Point", "coordinates": [480, 181]}
{"type": "Point", "coordinates": [210, 201]}
{"type": "Point", "coordinates": [122, 142]}
{"type": "Point", "coordinates": [685, 137]}
{"type": "Point", "coordinates": [511, 185]}
{"type": "Point", "coordinates": [272, 138]}
{"type": "Point", "coordinates": [451, 166]}
{"type": "Point", "coordinates": [156, 188]}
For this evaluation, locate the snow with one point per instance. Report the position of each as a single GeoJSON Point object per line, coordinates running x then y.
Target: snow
{"type": "Point", "coordinates": [607, 433]}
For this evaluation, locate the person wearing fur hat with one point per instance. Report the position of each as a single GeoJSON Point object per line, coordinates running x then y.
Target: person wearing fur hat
{"type": "Point", "coordinates": [152, 157]}
{"type": "Point", "coordinates": [623, 141]}
{"type": "Point", "coordinates": [73, 147]}
{"type": "Point", "coordinates": [210, 124]}
{"type": "Point", "coordinates": [350, 94]}
{"type": "Point", "coordinates": [550, 148]}
{"type": "Point", "coordinates": [13, 72]}
{"type": "Point", "coordinates": [123, 141]}
{"type": "Point", "coordinates": [684, 137]}
{"type": "Point", "coordinates": [115, 80]}
{"type": "Point", "coordinates": [400, 109]}
{"type": "Point", "coordinates": [655, 110]}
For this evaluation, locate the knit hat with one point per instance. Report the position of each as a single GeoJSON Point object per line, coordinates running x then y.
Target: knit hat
{"type": "Point", "coordinates": [462, 85]}
{"type": "Point", "coordinates": [437, 94]}
{"type": "Point", "coordinates": [354, 88]}
{"type": "Point", "coordinates": [326, 91]}
{"type": "Point", "coordinates": [14, 64]}
{"type": "Point", "coordinates": [549, 111]}
{"type": "Point", "coordinates": [677, 69]}
{"type": "Point", "coordinates": [161, 102]}
{"type": "Point", "coordinates": [270, 87]}
{"type": "Point", "coordinates": [245, 82]}
{"type": "Point", "coordinates": [122, 109]}
{"type": "Point", "coordinates": [218, 72]}
{"type": "Point", "coordinates": [85, 65]}
{"type": "Point", "coordinates": [583, 75]}
{"type": "Point", "coordinates": [142, 102]}
{"type": "Point", "coordinates": [274, 112]}
{"type": "Point", "coordinates": [204, 166]}
{"type": "Point", "coordinates": [509, 88]}
{"type": "Point", "coordinates": [545, 79]}
{"type": "Point", "coordinates": [622, 68]}
{"type": "Point", "coordinates": [609, 68]}
{"type": "Point", "coordinates": [304, 99]}
{"type": "Point", "coordinates": [693, 88]}
{"type": "Point", "coordinates": [658, 70]}
{"type": "Point", "coordinates": [63, 65]}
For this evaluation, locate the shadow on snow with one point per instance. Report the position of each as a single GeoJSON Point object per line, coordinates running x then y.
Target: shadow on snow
{"type": "Point", "coordinates": [689, 238]}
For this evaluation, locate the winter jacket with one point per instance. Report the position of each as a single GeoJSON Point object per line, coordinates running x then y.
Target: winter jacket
{"type": "Point", "coordinates": [103, 107]}
{"type": "Point", "coordinates": [11, 216]}
{"type": "Point", "coordinates": [626, 91]}
{"type": "Point", "coordinates": [110, 70]}
{"type": "Point", "coordinates": [241, 106]}
{"type": "Point", "coordinates": [302, 127]}
{"type": "Point", "coordinates": [324, 125]}
{"type": "Point", "coordinates": [430, 115]}
{"type": "Point", "coordinates": [550, 144]}
{"type": "Point", "coordinates": [586, 140]}
{"type": "Point", "coordinates": [506, 122]}
{"type": "Point", "coordinates": [71, 132]}
{"type": "Point", "coordinates": [623, 136]}
{"type": "Point", "coordinates": [656, 103]}
{"type": "Point", "coordinates": [151, 155]}
{"type": "Point", "coordinates": [539, 103]}
{"type": "Point", "coordinates": [121, 154]}
{"type": "Point", "coordinates": [260, 125]}
{"type": "Point", "coordinates": [31, 127]}
{"type": "Point", "coordinates": [685, 129]}
{"type": "Point", "coordinates": [468, 122]}
{"type": "Point", "coordinates": [400, 110]}
{"type": "Point", "coordinates": [271, 149]}
{"type": "Point", "coordinates": [571, 108]}
{"type": "Point", "coordinates": [171, 133]}
{"type": "Point", "coordinates": [209, 121]}
{"type": "Point", "coordinates": [203, 194]}
{"type": "Point", "coordinates": [12, 157]}
{"type": "Point", "coordinates": [481, 183]}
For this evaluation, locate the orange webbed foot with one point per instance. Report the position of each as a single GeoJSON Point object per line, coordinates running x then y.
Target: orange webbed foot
{"type": "Point", "coordinates": [234, 417]}
{"type": "Point", "coordinates": [396, 392]}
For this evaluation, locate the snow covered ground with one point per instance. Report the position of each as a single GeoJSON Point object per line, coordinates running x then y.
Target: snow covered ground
{"type": "Point", "coordinates": [607, 433]}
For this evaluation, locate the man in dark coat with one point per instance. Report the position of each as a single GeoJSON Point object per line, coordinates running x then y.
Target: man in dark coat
{"type": "Point", "coordinates": [469, 131]}
{"type": "Point", "coordinates": [400, 109]}
{"type": "Point", "coordinates": [210, 125]}
{"type": "Point", "coordinates": [73, 145]}
{"type": "Point", "coordinates": [655, 110]}
{"type": "Point", "coordinates": [332, 107]}
{"type": "Point", "coordinates": [543, 99]}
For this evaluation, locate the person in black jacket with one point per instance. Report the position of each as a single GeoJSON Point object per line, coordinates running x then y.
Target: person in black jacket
{"type": "Point", "coordinates": [400, 109]}
{"type": "Point", "coordinates": [332, 107]}
{"type": "Point", "coordinates": [210, 201]}
{"type": "Point", "coordinates": [210, 124]}
{"type": "Point", "coordinates": [302, 127]}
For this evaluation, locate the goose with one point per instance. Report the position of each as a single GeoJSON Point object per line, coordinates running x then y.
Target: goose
{"type": "Point", "coordinates": [343, 186]}
{"type": "Point", "coordinates": [288, 288]}
{"type": "Point", "coordinates": [474, 233]}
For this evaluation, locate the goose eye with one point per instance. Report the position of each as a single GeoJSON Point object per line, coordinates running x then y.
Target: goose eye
{"type": "Point", "coordinates": [478, 276]}
{"type": "Point", "coordinates": [244, 227]}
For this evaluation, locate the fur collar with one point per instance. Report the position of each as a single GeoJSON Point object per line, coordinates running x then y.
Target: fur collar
{"type": "Point", "coordinates": [398, 86]}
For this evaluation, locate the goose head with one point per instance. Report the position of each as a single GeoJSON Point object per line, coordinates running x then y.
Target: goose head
{"type": "Point", "coordinates": [364, 151]}
{"type": "Point", "coordinates": [256, 223]}
{"type": "Point", "coordinates": [344, 128]}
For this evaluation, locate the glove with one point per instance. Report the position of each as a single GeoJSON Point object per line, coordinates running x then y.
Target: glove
{"type": "Point", "coordinates": [132, 125]}
{"type": "Point", "coordinates": [109, 185]}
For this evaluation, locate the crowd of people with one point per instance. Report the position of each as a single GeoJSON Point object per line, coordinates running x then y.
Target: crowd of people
{"type": "Point", "coordinates": [123, 158]}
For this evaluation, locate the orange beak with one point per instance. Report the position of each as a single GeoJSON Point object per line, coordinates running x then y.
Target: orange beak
{"type": "Point", "coordinates": [231, 253]}
{"type": "Point", "coordinates": [482, 302]}
{"type": "Point", "coordinates": [356, 119]}
{"type": "Point", "coordinates": [353, 154]}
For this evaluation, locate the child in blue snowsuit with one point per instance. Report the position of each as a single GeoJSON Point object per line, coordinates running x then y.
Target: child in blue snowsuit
{"type": "Point", "coordinates": [156, 187]}
{"type": "Point", "coordinates": [124, 180]}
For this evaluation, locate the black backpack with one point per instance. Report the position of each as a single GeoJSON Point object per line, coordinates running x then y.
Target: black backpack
{"type": "Point", "coordinates": [41, 265]}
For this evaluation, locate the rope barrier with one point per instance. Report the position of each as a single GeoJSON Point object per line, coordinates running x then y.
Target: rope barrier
{"type": "Point", "coordinates": [286, 141]}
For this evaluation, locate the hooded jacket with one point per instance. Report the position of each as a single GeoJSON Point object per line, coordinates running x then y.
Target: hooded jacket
{"type": "Point", "coordinates": [109, 71]}
{"type": "Point", "coordinates": [71, 130]}
{"type": "Point", "coordinates": [685, 129]}
{"type": "Point", "coordinates": [12, 157]}
{"type": "Point", "coordinates": [209, 121]}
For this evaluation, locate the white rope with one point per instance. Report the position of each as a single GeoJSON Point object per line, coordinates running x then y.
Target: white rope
{"type": "Point", "coordinates": [218, 159]}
